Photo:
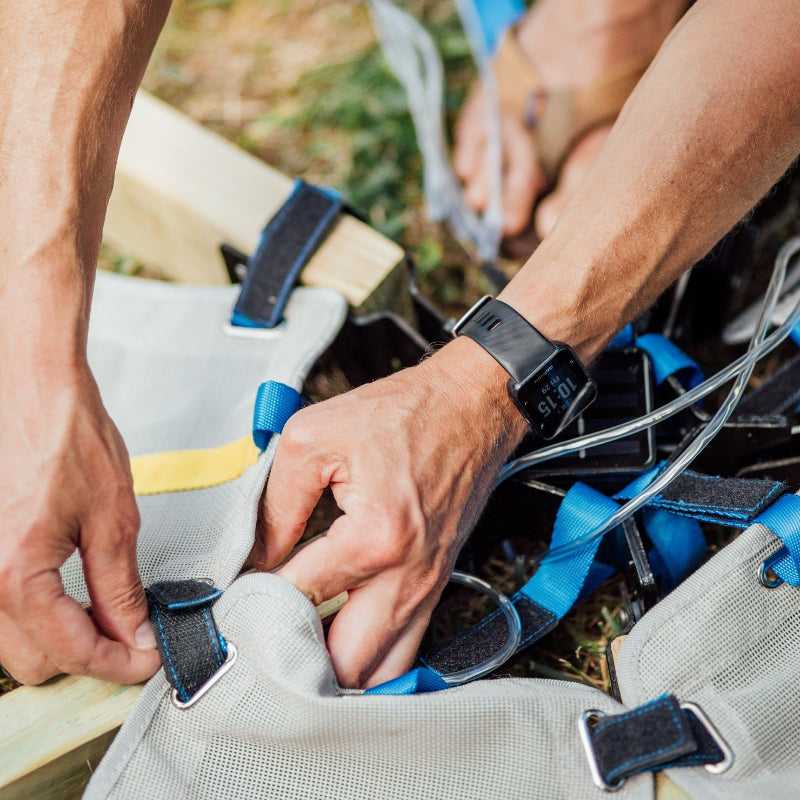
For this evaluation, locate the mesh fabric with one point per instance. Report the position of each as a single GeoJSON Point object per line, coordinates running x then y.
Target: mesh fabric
{"type": "Point", "coordinates": [172, 378]}
{"type": "Point", "coordinates": [732, 646]}
{"type": "Point", "coordinates": [277, 726]}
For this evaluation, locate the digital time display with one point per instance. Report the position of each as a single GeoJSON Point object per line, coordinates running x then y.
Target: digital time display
{"type": "Point", "coordinates": [556, 393]}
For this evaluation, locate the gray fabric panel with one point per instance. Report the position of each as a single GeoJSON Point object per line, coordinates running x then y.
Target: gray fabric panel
{"type": "Point", "coordinates": [724, 641]}
{"type": "Point", "coordinates": [277, 726]}
{"type": "Point", "coordinates": [173, 379]}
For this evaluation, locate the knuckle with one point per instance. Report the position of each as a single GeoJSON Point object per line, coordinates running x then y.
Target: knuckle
{"type": "Point", "coordinates": [75, 663]}
{"type": "Point", "coordinates": [124, 596]}
{"type": "Point", "coordinates": [34, 671]}
{"type": "Point", "coordinates": [299, 434]}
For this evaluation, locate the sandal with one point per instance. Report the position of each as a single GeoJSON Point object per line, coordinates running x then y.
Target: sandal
{"type": "Point", "coordinates": [558, 119]}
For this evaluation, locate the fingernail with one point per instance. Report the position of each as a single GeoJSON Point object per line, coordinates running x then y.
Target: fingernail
{"type": "Point", "coordinates": [144, 638]}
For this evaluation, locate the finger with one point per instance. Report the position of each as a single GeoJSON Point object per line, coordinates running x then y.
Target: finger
{"type": "Point", "coordinates": [119, 605]}
{"type": "Point", "coordinates": [332, 564]}
{"type": "Point", "coordinates": [66, 634]}
{"type": "Point", "coordinates": [523, 179]}
{"type": "Point", "coordinates": [375, 636]}
{"type": "Point", "coordinates": [470, 136]}
{"type": "Point", "coordinates": [476, 187]}
{"type": "Point", "coordinates": [294, 488]}
{"type": "Point", "coordinates": [401, 653]}
{"type": "Point", "coordinates": [22, 659]}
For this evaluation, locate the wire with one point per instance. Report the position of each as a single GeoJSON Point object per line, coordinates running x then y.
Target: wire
{"type": "Point", "coordinates": [412, 56]}
{"type": "Point", "coordinates": [742, 368]}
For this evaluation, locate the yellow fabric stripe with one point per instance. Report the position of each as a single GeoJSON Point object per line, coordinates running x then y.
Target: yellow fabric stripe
{"type": "Point", "coordinates": [180, 470]}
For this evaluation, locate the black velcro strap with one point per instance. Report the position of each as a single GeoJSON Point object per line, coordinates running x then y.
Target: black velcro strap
{"type": "Point", "coordinates": [654, 736]}
{"type": "Point", "coordinates": [482, 641]}
{"type": "Point", "coordinates": [286, 246]}
{"type": "Point", "coordinates": [779, 394]}
{"type": "Point", "coordinates": [725, 501]}
{"type": "Point", "coordinates": [191, 647]}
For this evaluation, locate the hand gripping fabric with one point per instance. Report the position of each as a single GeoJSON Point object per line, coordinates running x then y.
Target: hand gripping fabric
{"type": "Point", "coordinates": [182, 388]}
{"type": "Point", "coordinates": [277, 725]}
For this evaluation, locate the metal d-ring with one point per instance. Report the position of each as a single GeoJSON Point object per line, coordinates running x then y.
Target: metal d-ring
{"type": "Point", "coordinates": [230, 660]}
{"type": "Point", "coordinates": [586, 740]}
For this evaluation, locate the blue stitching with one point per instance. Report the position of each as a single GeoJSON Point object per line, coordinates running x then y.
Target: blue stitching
{"type": "Point", "coordinates": [734, 511]}
{"type": "Point", "coordinates": [199, 601]}
{"type": "Point", "coordinates": [646, 709]}
{"type": "Point", "coordinates": [213, 635]}
{"type": "Point", "coordinates": [183, 694]}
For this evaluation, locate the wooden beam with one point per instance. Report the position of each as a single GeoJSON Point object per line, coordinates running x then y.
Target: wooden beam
{"type": "Point", "coordinates": [52, 736]}
{"type": "Point", "coordinates": [181, 191]}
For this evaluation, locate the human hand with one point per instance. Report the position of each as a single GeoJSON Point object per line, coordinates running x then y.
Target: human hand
{"type": "Point", "coordinates": [65, 483]}
{"type": "Point", "coordinates": [410, 460]}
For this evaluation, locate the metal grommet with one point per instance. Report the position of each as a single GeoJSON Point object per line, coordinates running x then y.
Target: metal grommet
{"type": "Point", "coordinates": [585, 732]}
{"type": "Point", "coordinates": [226, 665]}
{"type": "Point", "coordinates": [767, 576]}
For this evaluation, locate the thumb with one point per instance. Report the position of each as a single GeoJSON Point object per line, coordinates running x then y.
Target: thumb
{"type": "Point", "coordinates": [119, 605]}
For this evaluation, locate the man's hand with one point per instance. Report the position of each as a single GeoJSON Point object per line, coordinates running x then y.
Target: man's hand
{"type": "Point", "coordinates": [65, 483]}
{"type": "Point", "coordinates": [410, 460]}
{"type": "Point", "coordinates": [68, 74]}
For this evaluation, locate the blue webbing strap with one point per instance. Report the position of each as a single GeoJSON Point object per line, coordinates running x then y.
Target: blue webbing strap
{"type": "Point", "coordinates": [417, 681]}
{"type": "Point", "coordinates": [668, 359]}
{"type": "Point", "coordinates": [678, 545]}
{"type": "Point", "coordinates": [275, 403]}
{"type": "Point", "coordinates": [678, 541]}
{"type": "Point", "coordinates": [783, 519]}
{"type": "Point", "coordinates": [496, 17]}
{"type": "Point", "coordinates": [540, 603]}
{"type": "Point", "coordinates": [555, 586]}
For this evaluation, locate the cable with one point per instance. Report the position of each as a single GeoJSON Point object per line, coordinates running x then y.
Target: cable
{"type": "Point", "coordinates": [412, 56]}
{"type": "Point", "coordinates": [742, 368]}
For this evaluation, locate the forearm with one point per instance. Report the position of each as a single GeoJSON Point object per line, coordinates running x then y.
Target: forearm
{"type": "Point", "coordinates": [68, 74]}
{"type": "Point", "coordinates": [710, 128]}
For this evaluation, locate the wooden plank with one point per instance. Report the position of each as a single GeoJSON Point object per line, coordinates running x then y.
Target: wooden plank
{"type": "Point", "coordinates": [46, 733]}
{"type": "Point", "coordinates": [52, 736]}
{"type": "Point", "coordinates": [181, 191]}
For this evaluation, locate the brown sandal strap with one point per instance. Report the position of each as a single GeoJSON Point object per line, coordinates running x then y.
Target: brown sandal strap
{"type": "Point", "coordinates": [557, 119]}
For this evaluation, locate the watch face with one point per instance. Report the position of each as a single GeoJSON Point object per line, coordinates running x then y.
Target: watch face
{"type": "Point", "coordinates": [555, 394]}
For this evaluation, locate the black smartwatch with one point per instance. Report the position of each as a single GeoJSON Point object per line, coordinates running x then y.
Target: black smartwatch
{"type": "Point", "coordinates": [548, 383]}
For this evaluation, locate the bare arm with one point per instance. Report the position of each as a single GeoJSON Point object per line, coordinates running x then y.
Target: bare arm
{"type": "Point", "coordinates": [68, 73]}
{"type": "Point", "coordinates": [711, 127]}
{"type": "Point", "coordinates": [411, 459]}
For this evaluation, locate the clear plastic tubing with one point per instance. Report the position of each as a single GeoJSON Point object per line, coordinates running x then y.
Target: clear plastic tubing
{"type": "Point", "coordinates": [512, 641]}
{"type": "Point", "coordinates": [741, 368]}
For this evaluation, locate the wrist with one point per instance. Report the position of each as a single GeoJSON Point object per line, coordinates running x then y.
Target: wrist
{"type": "Point", "coordinates": [477, 383]}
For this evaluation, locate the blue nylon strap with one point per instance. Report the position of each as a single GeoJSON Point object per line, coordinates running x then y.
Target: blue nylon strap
{"type": "Point", "coordinates": [275, 403]}
{"type": "Point", "coordinates": [557, 583]}
{"type": "Point", "coordinates": [783, 519]}
{"type": "Point", "coordinates": [678, 543]}
{"type": "Point", "coordinates": [624, 338]}
{"type": "Point", "coordinates": [668, 359]}
{"type": "Point", "coordinates": [417, 681]}
{"type": "Point", "coordinates": [496, 17]}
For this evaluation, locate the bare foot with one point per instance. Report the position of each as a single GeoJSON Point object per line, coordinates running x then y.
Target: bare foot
{"type": "Point", "coordinates": [574, 45]}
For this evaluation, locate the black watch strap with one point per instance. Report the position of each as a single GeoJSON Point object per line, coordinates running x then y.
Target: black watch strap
{"type": "Point", "coordinates": [506, 335]}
